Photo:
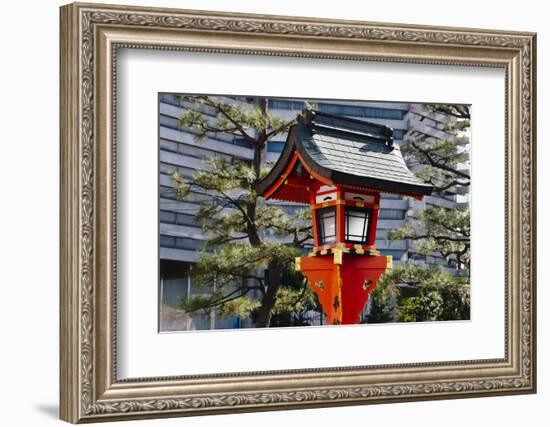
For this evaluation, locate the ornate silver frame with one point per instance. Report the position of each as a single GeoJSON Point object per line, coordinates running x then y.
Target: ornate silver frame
{"type": "Point", "coordinates": [90, 36]}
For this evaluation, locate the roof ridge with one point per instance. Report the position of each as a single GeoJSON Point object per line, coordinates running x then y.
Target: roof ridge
{"type": "Point", "coordinates": [345, 125]}
{"type": "Point", "coordinates": [346, 131]}
{"type": "Point", "coordinates": [320, 114]}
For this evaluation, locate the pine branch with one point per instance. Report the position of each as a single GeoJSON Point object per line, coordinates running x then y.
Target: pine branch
{"type": "Point", "coordinates": [439, 238]}
{"type": "Point", "coordinates": [453, 183]}
{"type": "Point", "coordinates": [241, 129]}
{"type": "Point", "coordinates": [219, 107]}
{"type": "Point", "coordinates": [437, 164]}
{"type": "Point", "coordinates": [283, 127]}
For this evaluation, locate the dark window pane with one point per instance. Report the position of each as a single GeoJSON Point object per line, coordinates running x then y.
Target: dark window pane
{"type": "Point", "coordinates": [357, 111]}
{"type": "Point", "coordinates": [241, 142]}
{"type": "Point", "coordinates": [189, 244]}
{"type": "Point", "coordinates": [169, 122]}
{"type": "Point", "coordinates": [167, 217]}
{"type": "Point", "coordinates": [185, 219]}
{"type": "Point", "coordinates": [275, 146]}
{"type": "Point", "coordinates": [167, 241]}
{"type": "Point", "coordinates": [391, 214]}
{"type": "Point", "coordinates": [279, 104]}
{"type": "Point", "coordinates": [174, 290]}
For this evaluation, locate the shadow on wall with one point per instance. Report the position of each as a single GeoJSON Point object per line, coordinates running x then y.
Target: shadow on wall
{"type": "Point", "coordinates": [49, 409]}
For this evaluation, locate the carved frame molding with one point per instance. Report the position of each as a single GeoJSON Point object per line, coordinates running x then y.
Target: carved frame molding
{"type": "Point", "coordinates": [90, 37]}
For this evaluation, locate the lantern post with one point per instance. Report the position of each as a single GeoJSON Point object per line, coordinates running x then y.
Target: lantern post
{"type": "Point", "coordinates": [340, 166]}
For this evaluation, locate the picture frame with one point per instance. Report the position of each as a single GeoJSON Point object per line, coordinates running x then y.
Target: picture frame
{"type": "Point", "coordinates": [91, 36]}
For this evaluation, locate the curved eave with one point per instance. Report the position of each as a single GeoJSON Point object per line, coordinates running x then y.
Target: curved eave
{"type": "Point", "coordinates": [278, 170]}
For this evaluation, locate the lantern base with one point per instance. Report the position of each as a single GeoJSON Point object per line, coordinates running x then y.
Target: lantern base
{"type": "Point", "coordinates": [343, 282]}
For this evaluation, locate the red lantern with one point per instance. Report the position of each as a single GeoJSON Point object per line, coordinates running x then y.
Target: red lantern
{"type": "Point", "coordinates": [340, 166]}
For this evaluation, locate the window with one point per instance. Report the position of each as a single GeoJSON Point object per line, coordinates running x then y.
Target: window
{"type": "Point", "coordinates": [326, 220]}
{"type": "Point", "coordinates": [275, 146]}
{"type": "Point", "coordinates": [280, 104]}
{"type": "Point", "coordinates": [172, 242]}
{"type": "Point", "coordinates": [391, 214]}
{"type": "Point", "coordinates": [167, 217]}
{"type": "Point", "coordinates": [241, 142]}
{"type": "Point", "coordinates": [357, 225]}
{"type": "Point", "coordinates": [341, 109]}
{"type": "Point", "coordinates": [169, 122]}
{"type": "Point", "coordinates": [174, 290]}
{"type": "Point", "coordinates": [360, 111]}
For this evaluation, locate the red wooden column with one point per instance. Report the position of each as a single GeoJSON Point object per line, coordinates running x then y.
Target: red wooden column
{"type": "Point", "coordinates": [316, 241]}
{"type": "Point", "coordinates": [374, 220]}
{"type": "Point", "coordinates": [340, 216]}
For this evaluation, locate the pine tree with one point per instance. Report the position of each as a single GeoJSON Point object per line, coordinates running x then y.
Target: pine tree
{"type": "Point", "coordinates": [432, 293]}
{"type": "Point", "coordinates": [250, 246]}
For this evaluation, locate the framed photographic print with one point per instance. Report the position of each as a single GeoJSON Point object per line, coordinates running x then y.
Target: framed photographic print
{"type": "Point", "coordinates": [268, 212]}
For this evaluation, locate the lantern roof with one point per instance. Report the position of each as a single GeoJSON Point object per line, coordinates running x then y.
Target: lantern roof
{"type": "Point", "coordinates": [333, 150]}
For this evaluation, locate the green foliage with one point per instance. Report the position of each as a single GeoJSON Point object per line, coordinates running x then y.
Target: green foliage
{"type": "Point", "coordinates": [310, 106]}
{"type": "Point", "coordinates": [438, 162]}
{"type": "Point", "coordinates": [241, 307]}
{"type": "Point", "coordinates": [442, 230]}
{"type": "Point", "coordinates": [429, 294]}
{"type": "Point", "coordinates": [459, 112]}
{"type": "Point", "coordinates": [381, 307]}
{"type": "Point", "coordinates": [411, 275]}
{"type": "Point", "coordinates": [240, 120]}
{"type": "Point", "coordinates": [424, 294]}
{"type": "Point", "coordinates": [195, 304]}
{"type": "Point", "coordinates": [440, 159]}
{"type": "Point", "coordinates": [445, 304]}
{"type": "Point", "coordinates": [422, 308]}
{"type": "Point", "coordinates": [232, 262]}
{"type": "Point", "coordinates": [227, 193]}
{"type": "Point", "coordinates": [295, 297]}
{"type": "Point", "coordinates": [220, 176]}
{"type": "Point", "coordinates": [295, 301]}
{"type": "Point", "coordinates": [219, 271]}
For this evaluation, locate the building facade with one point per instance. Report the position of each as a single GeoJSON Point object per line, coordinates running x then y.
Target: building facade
{"type": "Point", "coordinates": [180, 237]}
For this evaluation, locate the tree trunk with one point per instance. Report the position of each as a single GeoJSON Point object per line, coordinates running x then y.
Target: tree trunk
{"type": "Point", "coordinates": [273, 278]}
{"type": "Point", "coordinates": [258, 147]}
{"type": "Point", "coordinates": [251, 229]}
{"type": "Point", "coordinates": [275, 269]}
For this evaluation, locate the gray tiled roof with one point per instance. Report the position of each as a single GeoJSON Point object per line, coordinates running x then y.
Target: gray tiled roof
{"type": "Point", "coordinates": [348, 152]}
{"type": "Point", "coordinates": [356, 155]}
